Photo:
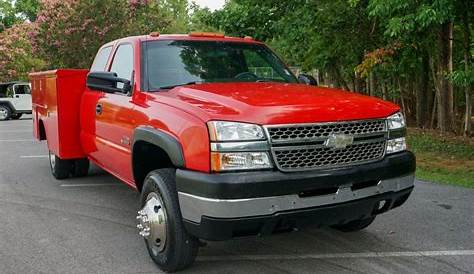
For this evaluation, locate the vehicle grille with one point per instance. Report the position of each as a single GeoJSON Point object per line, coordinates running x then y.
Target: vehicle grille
{"type": "Point", "coordinates": [305, 132]}
{"type": "Point", "coordinates": [302, 147]}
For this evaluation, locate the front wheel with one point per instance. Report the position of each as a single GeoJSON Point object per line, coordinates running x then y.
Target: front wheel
{"type": "Point", "coordinates": [354, 226]}
{"type": "Point", "coordinates": [61, 169]}
{"type": "Point", "coordinates": [160, 223]}
{"type": "Point", "coordinates": [5, 113]}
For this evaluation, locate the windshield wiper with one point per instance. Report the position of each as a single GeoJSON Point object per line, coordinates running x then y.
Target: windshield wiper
{"type": "Point", "coordinates": [179, 85]}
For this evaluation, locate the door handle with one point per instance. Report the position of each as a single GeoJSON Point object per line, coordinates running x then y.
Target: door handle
{"type": "Point", "coordinates": [98, 109]}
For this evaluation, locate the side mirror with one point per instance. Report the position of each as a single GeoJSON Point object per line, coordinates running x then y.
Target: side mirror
{"type": "Point", "coordinates": [107, 82]}
{"type": "Point", "coordinates": [307, 80]}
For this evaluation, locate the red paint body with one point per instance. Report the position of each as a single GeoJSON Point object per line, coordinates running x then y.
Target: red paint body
{"type": "Point", "coordinates": [67, 109]}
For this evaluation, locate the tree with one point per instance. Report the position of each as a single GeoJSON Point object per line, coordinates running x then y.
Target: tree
{"type": "Point", "coordinates": [12, 12]}
{"type": "Point", "coordinates": [68, 33]}
{"type": "Point", "coordinates": [16, 58]}
{"type": "Point", "coordinates": [27, 8]}
{"type": "Point", "coordinates": [7, 15]}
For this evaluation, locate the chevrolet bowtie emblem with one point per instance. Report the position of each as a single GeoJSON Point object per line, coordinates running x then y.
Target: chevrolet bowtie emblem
{"type": "Point", "coordinates": [339, 141]}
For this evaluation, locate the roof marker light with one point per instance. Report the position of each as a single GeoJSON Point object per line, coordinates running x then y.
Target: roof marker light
{"type": "Point", "coordinates": [155, 34]}
{"type": "Point", "coordinates": [207, 34]}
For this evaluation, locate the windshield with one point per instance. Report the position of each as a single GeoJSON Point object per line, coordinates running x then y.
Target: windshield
{"type": "Point", "coordinates": [174, 63]}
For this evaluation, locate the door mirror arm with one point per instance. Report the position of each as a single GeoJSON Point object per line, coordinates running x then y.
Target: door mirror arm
{"type": "Point", "coordinates": [307, 80]}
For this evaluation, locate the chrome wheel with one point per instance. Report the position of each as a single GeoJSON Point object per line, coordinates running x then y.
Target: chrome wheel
{"type": "Point", "coordinates": [3, 113]}
{"type": "Point", "coordinates": [52, 160]}
{"type": "Point", "coordinates": [152, 222]}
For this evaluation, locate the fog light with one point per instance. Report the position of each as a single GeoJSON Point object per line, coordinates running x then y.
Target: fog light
{"type": "Point", "coordinates": [396, 145]}
{"type": "Point", "coordinates": [239, 161]}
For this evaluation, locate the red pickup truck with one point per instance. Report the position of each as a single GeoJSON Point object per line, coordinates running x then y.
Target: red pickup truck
{"type": "Point", "coordinates": [222, 140]}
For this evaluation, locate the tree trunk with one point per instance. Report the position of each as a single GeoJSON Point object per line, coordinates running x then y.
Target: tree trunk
{"type": "Point", "coordinates": [445, 91]}
{"type": "Point", "coordinates": [402, 102]}
{"type": "Point", "coordinates": [451, 114]}
{"type": "Point", "coordinates": [422, 92]}
{"type": "Point", "coordinates": [467, 62]}
{"type": "Point", "coordinates": [371, 84]}
{"type": "Point", "coordinates": [384, 90]}
{"type": "Point", "coordinates": [339, 79]}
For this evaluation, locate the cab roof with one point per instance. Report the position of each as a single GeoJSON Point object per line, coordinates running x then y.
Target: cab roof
{"type": "Point", "coordinates": [193, 36]}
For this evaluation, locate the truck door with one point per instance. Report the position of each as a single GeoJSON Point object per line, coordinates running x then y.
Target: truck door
{"type": "Point", "coordinates": [114, 122]}
{"type": "Point", "coordinates": [22, 97]}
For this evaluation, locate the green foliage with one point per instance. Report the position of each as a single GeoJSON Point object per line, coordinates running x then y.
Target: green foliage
{"type": "Point", "coordinates": [27, 8]}
{"type": "Point", "coordinates": [462, 78]}
{"type": "Point", "coordinates": [7, 14]}
{"type": "Point", "coordinates": [69, 33]}
{"type": "Point", "coordinates": [16, 57]}
{"type": "Point", "coordinates": [201, 19]}
{"type": "Point", "coordinates": [443, 159]}
{"type": "Point", "coordinates": [12, 12]}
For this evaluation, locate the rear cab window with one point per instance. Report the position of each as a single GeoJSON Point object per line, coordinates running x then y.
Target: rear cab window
{"type": "Point", "coordinates": [100, 61]}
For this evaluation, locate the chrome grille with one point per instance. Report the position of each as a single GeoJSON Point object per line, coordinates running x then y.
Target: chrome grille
{"type": "Point", "coordinates": [306, 132]}
{"type": "Point", "coordinates": [302, 158]}
{"type": "Point", "coordinates": [303, 147]}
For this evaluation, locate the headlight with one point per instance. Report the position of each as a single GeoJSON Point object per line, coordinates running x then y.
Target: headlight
{"type": "Point", "coordinates": [233, 131]}
{"type": "Point", "coordinates": [396, 121]}
{"type": "Point", "coordinates": [227, 161]}
{"type": "Point", "coordinates": [396, 145]}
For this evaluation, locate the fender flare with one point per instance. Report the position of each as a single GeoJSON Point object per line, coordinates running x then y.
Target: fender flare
{"type": "Point", "coordinates": [9, 105]}
{"type": "Point", "coordinates": [163, 140]}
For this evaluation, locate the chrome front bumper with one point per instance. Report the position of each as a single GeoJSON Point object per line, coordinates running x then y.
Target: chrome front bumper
{"type": "Point", "coordinates": [193, 207]}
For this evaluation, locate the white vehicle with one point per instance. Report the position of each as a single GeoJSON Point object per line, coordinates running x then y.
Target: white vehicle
{"type": "Point", "coordinates": [15, 100]}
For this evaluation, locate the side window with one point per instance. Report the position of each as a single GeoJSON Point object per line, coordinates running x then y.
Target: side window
{"type": "Point", "coordinates": [123, 62]}
{"type": "Point", "coordinates": [22, 89]}
{"type": "Point", "coordinates": [100, 60]}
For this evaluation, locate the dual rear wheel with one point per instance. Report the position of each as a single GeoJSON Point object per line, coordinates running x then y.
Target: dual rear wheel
{"type": "Point", "coordinates": [62, 168]}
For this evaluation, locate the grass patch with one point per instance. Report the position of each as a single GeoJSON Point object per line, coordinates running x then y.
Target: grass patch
{"type": "Point", "coordinates": [443, 158]}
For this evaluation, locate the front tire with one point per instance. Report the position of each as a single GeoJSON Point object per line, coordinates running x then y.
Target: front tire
{"type": "Point", "coordinates": [160, 223]}
{"type": "Point", "coordinates": [61, 169]}
{"type": "Point", "coordinates": [355, 226]}
{"type": "Point", "coordinates": [5, 113]}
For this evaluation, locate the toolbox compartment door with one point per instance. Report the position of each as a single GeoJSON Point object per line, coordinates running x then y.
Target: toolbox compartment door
{"type": "Point", "coordinates": [56, 97]}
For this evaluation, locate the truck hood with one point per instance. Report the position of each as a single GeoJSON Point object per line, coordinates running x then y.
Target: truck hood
{"type": "Point", "coordinates": [274, 103]}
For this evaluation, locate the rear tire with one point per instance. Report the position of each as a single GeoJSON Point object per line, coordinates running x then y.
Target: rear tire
{"type": "Point", "coordinates": [80, 167]}
{"type": "Point", "coordinates": [355, 226]}
{"type": "Point", "coordinates": [61, 169]}
{"type": "Point", "coordinates": [178, 249]}
{"type": "Point", "coordinates": [5, 113]}
{"type": "Point", "coordinates": [16, 116]}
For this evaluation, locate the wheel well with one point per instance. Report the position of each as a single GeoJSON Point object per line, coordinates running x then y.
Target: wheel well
{"type": "Point", "coordinates": [147, 157]}
{"type": "Point", "coordinates": [8, 105]}
{"type": "Point", "coordinates": [41, 131]}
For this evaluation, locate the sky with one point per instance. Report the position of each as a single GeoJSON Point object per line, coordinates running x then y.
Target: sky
{"type": "Point", "coordinates": [211, 4]}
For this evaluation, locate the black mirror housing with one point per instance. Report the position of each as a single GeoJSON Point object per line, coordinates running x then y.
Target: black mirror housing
{"type": "Point", "coordinates": [107, 82]}
{"type": "Point", "coordinates": [307, 80]}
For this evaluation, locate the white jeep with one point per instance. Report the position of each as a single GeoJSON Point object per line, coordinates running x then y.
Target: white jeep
{"type": "Point", "coordinates": [15, 100]}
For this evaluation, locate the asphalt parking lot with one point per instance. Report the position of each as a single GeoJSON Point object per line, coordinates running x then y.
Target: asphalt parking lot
{"type": "Point", "coordinates": [87, 225]}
